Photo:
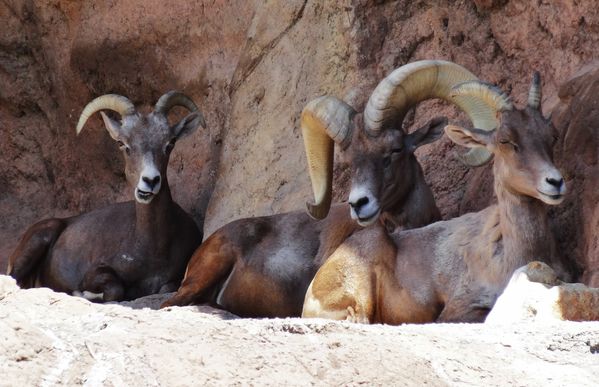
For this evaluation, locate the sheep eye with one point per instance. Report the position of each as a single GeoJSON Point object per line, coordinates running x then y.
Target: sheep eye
{"type": "Point", "coordinates": [397, 150]}
{"type": "Point", "coordinates": [511, 143]}
{"type": "Point", "coordinates": [123, 146]}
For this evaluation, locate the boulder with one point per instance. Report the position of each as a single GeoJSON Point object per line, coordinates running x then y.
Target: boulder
{"type": "Point", "coordinates": [535, 294]}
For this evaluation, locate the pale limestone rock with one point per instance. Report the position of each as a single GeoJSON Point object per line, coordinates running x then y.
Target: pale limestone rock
{"type": "Point", "coordinates": [52, 339]}
{"type": "Point", "coordinates": [534, 293]}
{"type": "Point", "coordinates": [7, 285]}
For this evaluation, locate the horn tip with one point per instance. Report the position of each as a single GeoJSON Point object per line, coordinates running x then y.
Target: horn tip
{"type": "Point", "coordinates": [79, 127]}
{"type": "Point", "coordinates": [317, 212]}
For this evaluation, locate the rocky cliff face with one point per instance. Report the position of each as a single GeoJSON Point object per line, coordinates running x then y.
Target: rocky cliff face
{"type": "Point", "coordinates": [56, 56]}
{"type": "Point", "coordinates": [252, 66]}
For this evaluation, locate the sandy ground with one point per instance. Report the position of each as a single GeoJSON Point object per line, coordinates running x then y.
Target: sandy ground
{"type": "Point", "coordinates": [47, 339]}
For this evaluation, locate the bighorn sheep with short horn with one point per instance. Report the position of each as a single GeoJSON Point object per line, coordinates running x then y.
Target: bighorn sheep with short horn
{"type": "Point", "coordinates": [125, 250]}
{"type": "Point", "coordinates": [454, 270]}
{"type": "Point", "coordinates": [263, 266]}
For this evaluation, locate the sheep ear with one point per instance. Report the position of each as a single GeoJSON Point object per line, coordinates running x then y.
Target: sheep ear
{"type": "Point", "coordinates": [188, 124]}
{"type": "Point", "coordinates": [113, 127]}
{"type": "Point", "coordinates": [431, 131]}
{"type": "Point", "coordinates": [470, 138]}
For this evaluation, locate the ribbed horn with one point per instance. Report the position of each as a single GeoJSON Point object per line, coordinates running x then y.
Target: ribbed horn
{"type": "Point", "coordinates": [115, 102]}
{"type": "Point", "coordinates": [174, 98]}
{"type": "Point", "coordinates": [489, 95]}
{"type": "Point", "coordinates": [324, 120]}
{"type": "Point", "coordinates": [415, 82]}
{"type": "Point", "coordinates": [534, 94]}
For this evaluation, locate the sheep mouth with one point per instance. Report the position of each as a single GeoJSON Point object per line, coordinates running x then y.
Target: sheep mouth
{"type": "Point", "coordinates": [143, 197]}
{"type": "Point", "coordinates": [551, 199]}
{"type": "Point", "coordinates": [367, 221]}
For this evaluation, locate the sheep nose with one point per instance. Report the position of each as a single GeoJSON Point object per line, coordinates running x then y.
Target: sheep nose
{"type": "Point", "coordinates": [557, 183]}
{"type": "Point", "coordinates": [151, 182]}
{"type": "Point", "coordinates": [359, 203]}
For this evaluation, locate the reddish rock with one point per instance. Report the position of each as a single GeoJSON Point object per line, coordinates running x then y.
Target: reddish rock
{"type": "Point", "coordinates": [56, 56]}
{"type": "Point", "coordinates": [252, 66]}
{"type": "Point", "coordinates": [576, 222]}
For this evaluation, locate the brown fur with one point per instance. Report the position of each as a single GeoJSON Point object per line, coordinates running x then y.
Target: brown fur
{"type": "Point", "coordinates": [451, 270]}
{"type": "Point", "coordinates": [261, 267]}
{"type": "Point", "coordinates": [125, 250]}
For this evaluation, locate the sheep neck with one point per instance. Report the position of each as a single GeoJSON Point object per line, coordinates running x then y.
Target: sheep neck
{"type": "Point", "coordinates": [414, 207]}
{"type": "Point", "coordinates": [153, 219]}
{"type": "Point", "coordinates": [524, 228]}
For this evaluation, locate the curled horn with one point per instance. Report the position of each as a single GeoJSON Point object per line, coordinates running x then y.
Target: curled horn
{"type": "Point", "coordinates": [175, 98]}
{"type": "Point", "coordinates": [408, 85]}
{"type": "Point", "coordinates": [485, 93]}
{"type": "Point", "coordinates": [324, 121]}
{"type": "Point", "coordinates": [115, 102]}
{"type": "Point", "coordinates": [491, 95]}
{"type": "Point", "coordinates": [534, 94]}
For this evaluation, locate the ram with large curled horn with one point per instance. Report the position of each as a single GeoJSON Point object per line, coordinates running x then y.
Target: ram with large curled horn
{"type": "Point", "coordinates": [261, 267]}
{"type": "Point", "coordinates": [453, 271]}
{"type": "Point", "coordinates": [125, 250]}
{"type": "Point", "coordinates": [375, 140]}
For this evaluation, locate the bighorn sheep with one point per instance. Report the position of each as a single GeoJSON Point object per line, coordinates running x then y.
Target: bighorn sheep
{"type": "Point", "coordinates": [454, 270]}
{"type": "Point", "coordinates": [125, 250]}
{"type": "Point", "coordinates": [263, 266]}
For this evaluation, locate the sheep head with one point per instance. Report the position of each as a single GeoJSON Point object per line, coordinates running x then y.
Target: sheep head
{"type": "Point", "coordinates": [145, 140]}
{"type": "Point", "coordinates": [522, 143]}
{"type": "Point", "coordinates": [380, 152]}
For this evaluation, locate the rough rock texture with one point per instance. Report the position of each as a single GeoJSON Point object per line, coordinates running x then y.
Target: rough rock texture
{"type": "Point", "coordinates": [48, 338]}
{"type": "Point", "coordinates": [534, 293]}
{"type": "Point", "coordinates": [55, 56]}
{"type": "Point", "coordinates": [252, 66]}
{"type": "Point", "coordinates": [577, 119]}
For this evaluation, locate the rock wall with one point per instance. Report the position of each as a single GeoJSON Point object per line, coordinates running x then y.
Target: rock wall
{"type": "Point", "coordinates": [576, 222]}
{"type": "Point", "coordinates": [55, 56]}
{"type": "Point", "coordinates": [251, 66]}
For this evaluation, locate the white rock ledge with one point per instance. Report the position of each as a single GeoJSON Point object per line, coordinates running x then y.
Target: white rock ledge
{"type": "Point", "coordinates": [48, 338]}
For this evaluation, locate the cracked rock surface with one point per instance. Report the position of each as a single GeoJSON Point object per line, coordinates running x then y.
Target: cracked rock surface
{"type": "Point", "coordinates": [48, 338]}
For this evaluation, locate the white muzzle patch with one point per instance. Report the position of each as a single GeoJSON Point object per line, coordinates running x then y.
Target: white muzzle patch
{"type": "Point", "coordinates": [552, 187]}
{"type": "Point", "coordinates": [149, 183]}
{"type": "Point", "coordinates": [365, 208]}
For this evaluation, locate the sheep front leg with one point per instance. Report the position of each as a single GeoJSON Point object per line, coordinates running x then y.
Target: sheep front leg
{"type": "Point", "coordinates": [341, 290]}
{"type": "Point", "coordinates": [104, 280]}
